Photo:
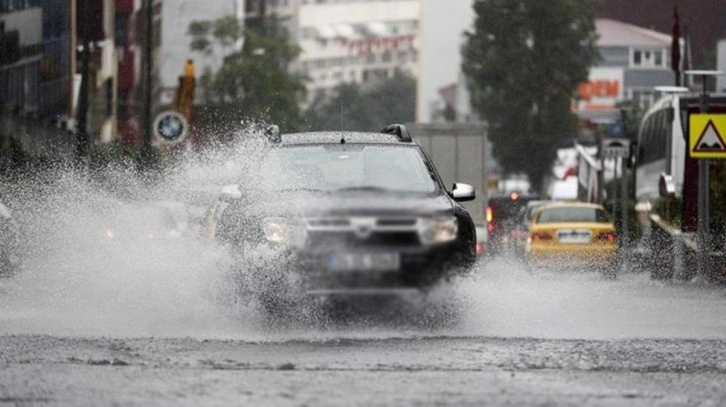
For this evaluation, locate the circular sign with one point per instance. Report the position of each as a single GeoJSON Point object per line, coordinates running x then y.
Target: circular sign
{"type": "Point", "coordinates": [171, 126]}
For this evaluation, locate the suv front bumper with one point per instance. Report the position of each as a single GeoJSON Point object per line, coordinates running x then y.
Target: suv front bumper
{"type": "Point", "coordinates": [419, 269]}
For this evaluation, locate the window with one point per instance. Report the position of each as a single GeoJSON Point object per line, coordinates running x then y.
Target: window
{"type": "Point", "coordinates": [647, 58]}
{"type": "Point", "coordinates": [643, 97]}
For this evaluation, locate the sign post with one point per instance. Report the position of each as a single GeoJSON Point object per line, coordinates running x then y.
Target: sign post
{"type": "Point", "coordinates": [619, 149]}
{"type": "Point", "coordinates": [705, 141]}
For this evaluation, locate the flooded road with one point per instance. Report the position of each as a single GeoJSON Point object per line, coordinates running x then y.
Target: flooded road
{"type": "Point", "coordinates": [568, 339]}
{"type": "Point", "coordinates": [104, 312]}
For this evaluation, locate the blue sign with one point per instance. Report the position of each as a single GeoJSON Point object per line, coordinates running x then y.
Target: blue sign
{"type": "Point", "coordinates": [171, 127]}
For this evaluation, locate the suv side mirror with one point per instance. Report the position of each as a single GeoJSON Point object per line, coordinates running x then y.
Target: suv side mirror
{"type": "Point", "coordinates": [463, 192]}
{"type": "Point", "coordinates": [230, 193]}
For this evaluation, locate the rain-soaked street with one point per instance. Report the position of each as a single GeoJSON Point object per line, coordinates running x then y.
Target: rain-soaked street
{"type": "Point", "coordinates": [362, 202]}
{"type": "Point", "coordinates": [566, 339]}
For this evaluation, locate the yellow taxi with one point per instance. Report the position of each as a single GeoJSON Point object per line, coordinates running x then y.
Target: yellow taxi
{"type": "Point", "coordinates": [571, 234]}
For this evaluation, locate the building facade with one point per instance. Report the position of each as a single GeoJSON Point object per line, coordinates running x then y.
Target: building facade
{"type": "Point", "coordinates": [21, 41]}
{"type": "Point", "coordinates": [633, 62]}
{"type": "Point", "coordinates": [35, 74]}
{"type": "Point", "coordinates": [131, 45]}
{"type": "Point", "coordinates": [353, 40]}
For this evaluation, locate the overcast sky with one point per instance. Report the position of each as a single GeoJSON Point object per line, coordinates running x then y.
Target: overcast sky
{"type": "Point", "coordinates": [443, 23]}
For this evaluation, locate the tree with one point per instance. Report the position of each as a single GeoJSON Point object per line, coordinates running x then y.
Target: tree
{"type": "Point", "coordinates": [253, 82]}
{"type": "Point", "coordinates": [353, 107]}
{"type": "Point", "coordinates": [523, 61]}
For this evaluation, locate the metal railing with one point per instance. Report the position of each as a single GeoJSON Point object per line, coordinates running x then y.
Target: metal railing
{"type": "Point", "coordinates": [588, 169]}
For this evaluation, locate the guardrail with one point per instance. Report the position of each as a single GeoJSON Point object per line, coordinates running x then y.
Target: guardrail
{"type": "Point", "coordinates": [673, 254]}
{"type": "Point", "coordinates": [587, 176]}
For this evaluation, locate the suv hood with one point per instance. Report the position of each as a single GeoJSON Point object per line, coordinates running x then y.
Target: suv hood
{"type": "Point", "coordinates": [348, 204]}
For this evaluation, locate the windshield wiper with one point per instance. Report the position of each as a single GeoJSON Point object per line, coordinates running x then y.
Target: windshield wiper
{"type": "Point", "coordinates": [301, 190]}
{"type": "Point", "coordinates": [371, 188]}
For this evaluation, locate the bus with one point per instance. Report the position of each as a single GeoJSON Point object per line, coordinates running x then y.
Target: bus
{"type": "Point", "coordinates": [661, 149]}
{"type": "Point", "coordinates": [661, 153]}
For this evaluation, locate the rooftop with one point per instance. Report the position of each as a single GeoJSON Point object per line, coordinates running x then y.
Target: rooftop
{"type": "Point", "coordinates": [614, 33]}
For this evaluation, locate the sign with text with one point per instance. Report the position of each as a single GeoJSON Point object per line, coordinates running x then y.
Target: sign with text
{"type": "Point", "coordinates": [603, 89]}
{"type": "Point", "coordinates": [615, 147]}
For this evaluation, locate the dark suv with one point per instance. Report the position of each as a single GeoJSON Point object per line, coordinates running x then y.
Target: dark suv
{"type": "Point", "coordinates": [346, 214]}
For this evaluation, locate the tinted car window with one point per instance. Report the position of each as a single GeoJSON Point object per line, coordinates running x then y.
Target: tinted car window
{"type": "Point", "coordinates": [555, 215]}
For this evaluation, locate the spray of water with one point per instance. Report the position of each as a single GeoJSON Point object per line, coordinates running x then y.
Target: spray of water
{"type": "Point", "coordinates": [112, 254]}
{"type": "Point", "coordinates": [101, 259]}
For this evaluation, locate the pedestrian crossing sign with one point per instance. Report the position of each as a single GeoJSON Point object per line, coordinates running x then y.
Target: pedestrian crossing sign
{"type": "Point", "coordinates": [707, 135]}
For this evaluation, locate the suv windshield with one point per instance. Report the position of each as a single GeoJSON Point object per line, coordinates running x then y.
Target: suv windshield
{"type": "Point", "coordinates": [347, 167]}
{"type": "Point", "coordinates": [555, 215]}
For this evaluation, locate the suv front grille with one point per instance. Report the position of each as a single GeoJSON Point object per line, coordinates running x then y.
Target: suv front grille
{"type": "Point", "coordinates": [384, 232]}
{"type": "Point", "coordinates": [329, 240]}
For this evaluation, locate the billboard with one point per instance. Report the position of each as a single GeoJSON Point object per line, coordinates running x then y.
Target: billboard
{"type": "Point", "coordinates": [603, 89]}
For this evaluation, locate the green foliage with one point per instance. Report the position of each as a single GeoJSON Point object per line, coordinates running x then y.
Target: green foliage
{"type": "Point", "coordinates": [523, 61]}
{"type": "Point", "coordinates": [392, 100]}
{"type": "Point", "coordinates": [253, 83]}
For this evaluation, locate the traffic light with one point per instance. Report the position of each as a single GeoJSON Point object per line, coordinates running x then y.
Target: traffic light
{"type": "Point", "coordinates": [185, 92]}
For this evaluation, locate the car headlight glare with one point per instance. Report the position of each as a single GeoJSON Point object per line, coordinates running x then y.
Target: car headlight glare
{"type": "Point", "coordinates": [438, 230]}
{"type": "Point", "coordinates": [283, 231]}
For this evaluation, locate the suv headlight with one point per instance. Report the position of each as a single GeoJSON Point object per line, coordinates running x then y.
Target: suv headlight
{"type": "Point", "coordinates": [438, 230]}
{"type": "Point", "coordinates": [283, 231]}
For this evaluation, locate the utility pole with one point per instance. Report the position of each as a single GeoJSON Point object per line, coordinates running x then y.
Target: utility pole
{"type": "Point", "coordinates": [147, 154]}
{"type": "Point", "coordinates": [82, 139]}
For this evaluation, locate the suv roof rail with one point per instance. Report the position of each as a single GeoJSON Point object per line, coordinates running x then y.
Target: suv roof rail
{"type": "Point", "coordinates": [399, 131]}
{"type": "Point", "coordinates": [273, 133]}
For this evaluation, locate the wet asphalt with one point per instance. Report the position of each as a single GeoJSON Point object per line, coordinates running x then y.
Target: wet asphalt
{"type": "Point", "coordinates": [521, 339]}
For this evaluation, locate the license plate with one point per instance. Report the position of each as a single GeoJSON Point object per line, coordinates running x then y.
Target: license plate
{"type": "Point", "coordinates": [574, 236]}
{"type": "Point", "coordinates": [364, 261]}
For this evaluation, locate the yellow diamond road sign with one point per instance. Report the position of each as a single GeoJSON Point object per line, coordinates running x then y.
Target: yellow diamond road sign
{"type": "Point", "coordinates": [707, 135]}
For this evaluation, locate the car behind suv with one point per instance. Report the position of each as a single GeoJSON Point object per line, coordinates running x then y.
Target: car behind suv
{"type": "Point", "coordinates": [346, 214]}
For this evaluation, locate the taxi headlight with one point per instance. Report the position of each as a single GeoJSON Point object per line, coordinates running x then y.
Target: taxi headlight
{"type": "Point", "coordinates": [283, 231]}
{"type": "Point", "coordinates": [438, 230]}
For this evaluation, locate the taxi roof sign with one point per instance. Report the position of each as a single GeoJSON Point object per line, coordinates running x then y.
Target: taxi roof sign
{"type": "Point", "coordinates": [707, 136]}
